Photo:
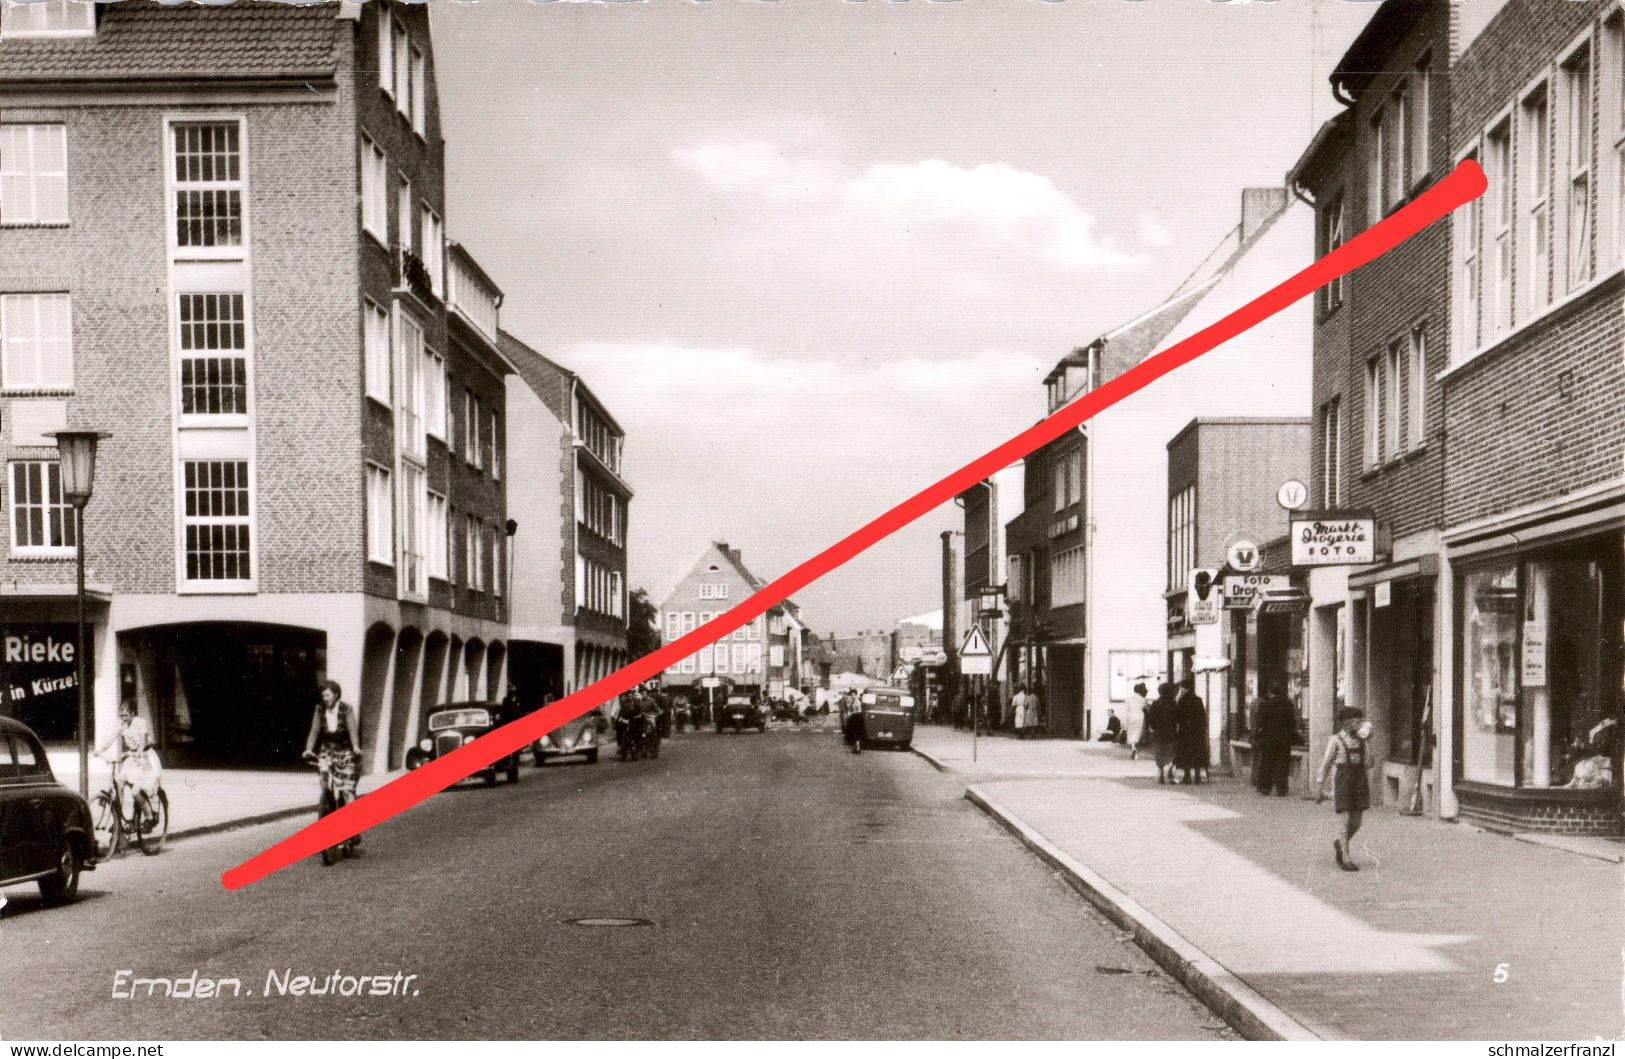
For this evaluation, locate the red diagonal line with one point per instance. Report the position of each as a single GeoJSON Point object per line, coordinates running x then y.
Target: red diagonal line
{"type": "Point", "coordinates": [1465, 183]}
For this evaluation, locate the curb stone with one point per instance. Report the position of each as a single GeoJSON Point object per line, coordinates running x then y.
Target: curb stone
{"type": "Point", "coordinates": [1226, 995]}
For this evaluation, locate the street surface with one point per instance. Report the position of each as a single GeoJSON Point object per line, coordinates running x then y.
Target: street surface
{"type": "Point", "coordinates": [792, 890]}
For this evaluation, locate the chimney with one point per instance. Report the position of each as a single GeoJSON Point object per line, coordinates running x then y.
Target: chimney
{"type": "Point", "coordinates": [1258, 205]}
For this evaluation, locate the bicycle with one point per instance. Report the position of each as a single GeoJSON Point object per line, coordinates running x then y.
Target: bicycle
{"type": "Point", "coordinates": [147, 823]}
{"type": "Point", "coordinates": [329, 802]}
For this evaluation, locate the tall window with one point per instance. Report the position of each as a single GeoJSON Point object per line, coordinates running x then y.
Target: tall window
{"type": "Point", "coordinates": [434, 250]}
{"type": "Point", "coordinates": [434, 394]}
{"type": "Point", "coordinates": [214, 363]}
{"type": "Point", "coordinates": [380, 516]}
{"type": "Point", "coordinates": [1376, 162]}
{"type": "Point", "coordinates": [496, 444]}
{"type": "Point", "coordinates": [1421, 92]}
{"type": "Point", "coordinates": [1332, 235]}
{"type": "Point", "coordinates": [1534, 238]}
{"type": "Point", "coordinates": [374, 191]}
{"type": "Point", "coordinates": [217, 520]}
{"type": "Point", "coordinates": [1416, 426]}
{"type": "Point", "coordinates": [403, 215]}
{"type": "Point", "coordinates": [1066, 578]}
{"type": "Point", "coordinates": [208, 201]}
{"type": "Point", "coordinates": [1394, 414]}
{"type": "Point", "coordinates": [379, 370]}
{"type": "Point", "coordinates": [1612, 147]}
{"type": "Point", "coordinates": [409, 401]}
{"type": "Point", "coordinates": [471, 429]}
{"type": "Point", "coordinates": [1469, 231]}
{"type": "Point", "coordinates": [436, 542]}
{"type": "Point", "coordinates": [1373, 408]}
{"type": "Point", "coordinates": [53, 18]}
{"type": "Point", "coordinates": [1575, 157]}
{"type": "Point", "coordinates": [36, 342]}
{"type": "Point", "coordinates": [419, 79]}
{"type": "Point", "coordinates": [41, 521]}
{"type": "Point", "coordinates": [1396, 136]}
{"type": "Point", "coordinates": [1499, 150]}
{"type": "Point", "coordinates": [1331, 454]}
{"type": "Point", "coordinates": [33, 174]}
{"type": "Point", "coordinates": [1181, 535]}
{"type": "Point", "coordinates": [473, 542]}
{"type": "Point", "coordinates": [403, 70]}
{"type": "Point", "coordinates": [386, 50]}
{"type": "Point", "coordinates": [414, 498]}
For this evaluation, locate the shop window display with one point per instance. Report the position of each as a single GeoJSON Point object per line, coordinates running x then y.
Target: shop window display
{"type": "Point", "coordinates": [1541, 670]}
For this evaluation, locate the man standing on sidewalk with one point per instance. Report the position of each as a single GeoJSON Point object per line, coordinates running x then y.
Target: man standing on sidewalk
{"type": "Point", "coordinates": [1277, 730]}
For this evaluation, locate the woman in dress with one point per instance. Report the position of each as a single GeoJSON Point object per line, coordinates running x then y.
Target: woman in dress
{"type": "Point", "coordinates": [334, 744]}
{"type": "Point", "coordinates": [1351, 785]}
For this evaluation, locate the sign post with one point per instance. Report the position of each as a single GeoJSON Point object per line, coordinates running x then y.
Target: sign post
{"type": "Point", "coordinates": [975, 659]}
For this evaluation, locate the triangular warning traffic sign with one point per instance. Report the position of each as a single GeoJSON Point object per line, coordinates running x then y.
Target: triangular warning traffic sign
{"type": "Point", "coordinates": [975, 644]}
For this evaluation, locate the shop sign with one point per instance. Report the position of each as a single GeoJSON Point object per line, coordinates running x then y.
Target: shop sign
{"type": "Point", "coordinates": [1244, 557]}
{"type": "Point", "coordinates": [1292, 495]}
{"type": "Point", "coordinates": [1241, 591]}
{"type": "Point", "coordinates": [1333, 541]}
{"type": "Point", "coordinates": [1205, 596]}
{"type": "Point", "coordinates": [39, 678]}
{"type": "Point", "coordinates": [1383, 594]}
{"type": "Point", "coordinates": [1534, 654]}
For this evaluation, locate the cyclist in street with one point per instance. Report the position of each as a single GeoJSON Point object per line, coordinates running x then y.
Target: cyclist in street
{"type": "Point", "coordinates": [135, 764]}
{"type": "Point", "coordinates": [334, 744]}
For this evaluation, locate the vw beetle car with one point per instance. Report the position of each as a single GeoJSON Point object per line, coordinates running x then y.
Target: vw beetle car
{"type": "Point", "coordinates": [885, 717]}
{"type": "Point", "coordinates": [579, 736]}
{"type": "Point", "coordinates": [741, 712]}
{"type": "Point", "coordinates": [455, 723]}
{"type": "Point", "coordinates": [46, 835]}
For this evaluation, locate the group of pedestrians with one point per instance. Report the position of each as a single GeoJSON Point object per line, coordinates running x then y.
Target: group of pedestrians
{"type": "Point", "coordinates": [1173, 727]}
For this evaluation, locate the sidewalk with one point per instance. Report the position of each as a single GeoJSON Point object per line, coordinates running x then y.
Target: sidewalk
{"type": "Point", "coordinates": [1238, 896]}
{"type": "Point", "coordinates": [202, 801]}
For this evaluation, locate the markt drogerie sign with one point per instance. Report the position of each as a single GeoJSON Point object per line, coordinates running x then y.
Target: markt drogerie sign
{"type": "Point", "coordinates": [1331, 538]}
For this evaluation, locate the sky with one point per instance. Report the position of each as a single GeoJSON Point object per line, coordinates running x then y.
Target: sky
{"type": "Point", "coordinates": [814, 255]}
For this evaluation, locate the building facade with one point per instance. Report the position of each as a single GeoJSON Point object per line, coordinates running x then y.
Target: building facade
{"type": "Point", "coordinates": [572, 506]}
{"type": "Point", "coordinates": [233, 257]}
{"type": "Point", "coordinates": [762, 655]}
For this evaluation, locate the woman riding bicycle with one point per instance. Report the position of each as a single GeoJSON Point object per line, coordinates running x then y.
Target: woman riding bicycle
{"type": "Point", "coordinates": [135, 766]}
{"type": "Point", "coordinates": [334, 744]}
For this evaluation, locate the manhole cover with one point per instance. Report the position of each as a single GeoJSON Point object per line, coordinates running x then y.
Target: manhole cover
{"type": "Point", "coordinates": [609, 921]}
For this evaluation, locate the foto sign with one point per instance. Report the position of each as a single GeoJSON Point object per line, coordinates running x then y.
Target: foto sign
{"type": "Point", "coordinates": [1241, 591]}
{"type": "Point", "coordinates": [1331, 540]}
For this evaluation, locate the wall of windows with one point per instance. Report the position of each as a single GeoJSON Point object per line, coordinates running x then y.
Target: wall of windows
{"type": "Point", "coordinates": [594, 431]}
{"type": "Point", "coordinates": [1181, 536]}
{"type": "Point", "coordinates": [601, 510]}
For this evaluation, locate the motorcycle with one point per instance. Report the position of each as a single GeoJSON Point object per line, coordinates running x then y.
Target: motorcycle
{"type": "Point", "coordinates": [637, 736]}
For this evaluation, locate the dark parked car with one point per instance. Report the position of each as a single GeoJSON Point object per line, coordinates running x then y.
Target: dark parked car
{"type": "Point", "coordinates": [46, 835]}
{"type": "Point", "coordinates": [456, 723]}
{"type": "Point", "coordinates": [884, 717]}
{"type": "Point", "coordinates": [579, 736]}
{"type": "Point", "coordinates": [741, 712]}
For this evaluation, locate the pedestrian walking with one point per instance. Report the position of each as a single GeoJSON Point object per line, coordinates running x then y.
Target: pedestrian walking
{"type": "Point", "coordinates": [1190, 727]}
{"type": "Point", "coordinates": [1136, 721]}
{"type": "Point", "coordinates": [1035, 715]}
{"type": "Point", "coordinates": [1348, 763]}
{"type": "Point", "coordinates": [1162, 723]}
{"type": "Point", "coordinates": [1273, 736]}
{"type": "Point", "coordinates": [1018, 709]}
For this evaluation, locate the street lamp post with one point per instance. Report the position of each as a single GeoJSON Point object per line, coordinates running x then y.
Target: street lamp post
{"type": "Point", "coordinates": [989, 605]}
{"type": "Point", "coordinates": [77, 468]}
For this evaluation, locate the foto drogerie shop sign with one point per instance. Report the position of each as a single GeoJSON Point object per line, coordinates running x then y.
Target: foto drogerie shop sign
{"type": "Point", "coordinates": [1330, 539]}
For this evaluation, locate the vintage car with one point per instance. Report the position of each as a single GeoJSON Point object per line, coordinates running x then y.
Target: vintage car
{"type": "Point", "coordinates": [46, 835]}
{"type": "Point", "coordinates": [454, 723]}
{"type": "Point", "coordinates": [884, 717]}
{"type": "Point", "coordinates": [739, 713]}
{"type": "Point", "coordinates": [579, 736]}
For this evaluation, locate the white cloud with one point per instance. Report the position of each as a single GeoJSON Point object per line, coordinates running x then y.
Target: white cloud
{"type": "Point", "coordinates": [1152, 230]}
{"type": "Point", "coordinates": [985, 211]}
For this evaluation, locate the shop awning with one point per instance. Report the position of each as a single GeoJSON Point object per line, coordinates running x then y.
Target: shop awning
{"type": "Point", "coordinates": [1421, 566]}
{"type": "Point", "coordinates": [94, 593]}
{"type": "Point", "coordinates": [1285, 601]}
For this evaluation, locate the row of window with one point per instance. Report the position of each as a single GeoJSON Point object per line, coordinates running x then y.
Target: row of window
{"type": "Point", "coordinates": [593, 431]}
{"type": "Point", "coordinates": [403, 71]}
{"type": "Point", "coordinates": [1395, 409]}
{"type": "Point", "coordinates": [418, 228]}
{"type": "Point", "coordinates": [1068, 472]}
{"type": "Point", "coordinates": [1553, 219]}
{"type": "Point", "coordinates": [599, 588]}
{"type": "Point", "coordinates": [1181, 536]}
{"type": "Point", "coordinates": [404, 374]}
{"type": "Point", "coordinates": [713, 590]}
{"type": "Point", "coordinates": [1066, 574]}
{"type": "Point", "coordinates": [49, 18]}
{"type": "Point", "coordinates": [216, 523]}
{"type": "Point", "coordinates": [599, 509]}
{"type": "Point", "coordinates": [682, 622]}
{"type": "Point", "coordinates": [431, 538]}
{"type": "Point", "coordinates": [724, 658]}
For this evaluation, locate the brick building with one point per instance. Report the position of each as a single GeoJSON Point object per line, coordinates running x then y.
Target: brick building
{"type": "Point", "coordinates": [231, 255]}
{"type": "Point", "coordinates": [1380, 342]}
{"type": "Point", "coordinates": [763, 655]}
{"type": "Point", "coordinates": [572, 506]}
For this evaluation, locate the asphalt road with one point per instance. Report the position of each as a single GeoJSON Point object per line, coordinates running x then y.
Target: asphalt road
{"type": "Point", "coordinates": [790, 890]}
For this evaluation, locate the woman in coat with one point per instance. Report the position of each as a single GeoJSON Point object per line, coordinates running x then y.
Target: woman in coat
{"type": "Point", "coordinates": [1163, 725]}
{"type": "Point", "coordinates": [1191, 755]}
